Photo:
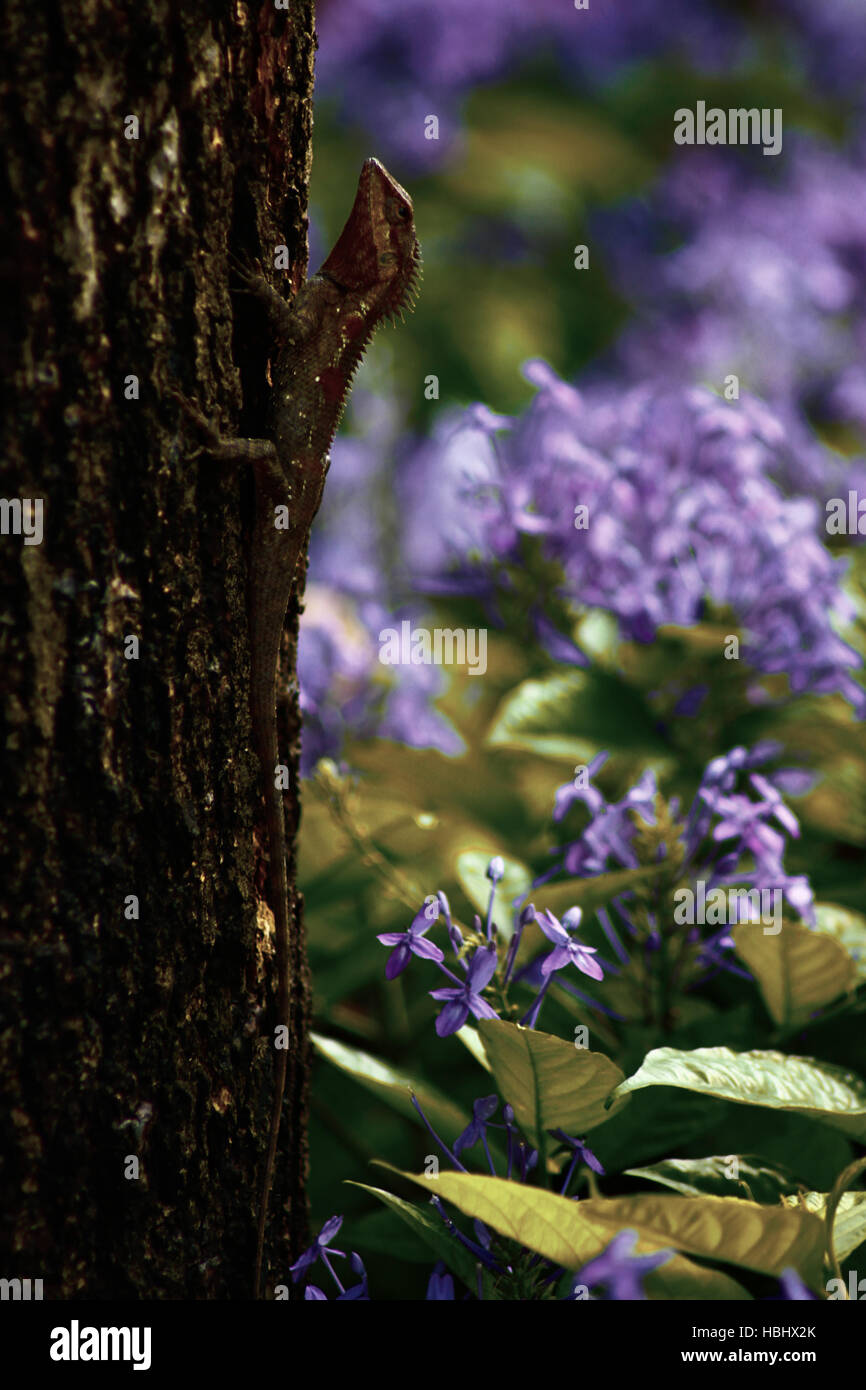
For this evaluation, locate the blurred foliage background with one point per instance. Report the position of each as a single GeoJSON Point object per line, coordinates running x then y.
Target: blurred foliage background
{"type": "Point", "coordinates": [550, 137]}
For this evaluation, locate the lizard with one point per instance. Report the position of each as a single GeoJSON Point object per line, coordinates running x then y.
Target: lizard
{"type": "Point", "coordinates": [370, 275]}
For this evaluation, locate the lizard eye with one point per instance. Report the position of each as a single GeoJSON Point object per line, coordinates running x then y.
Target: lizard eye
{"type": "Point", "coordinates": [398, 211]}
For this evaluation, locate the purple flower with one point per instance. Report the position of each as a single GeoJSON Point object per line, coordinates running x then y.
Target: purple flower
{"type": "Point", "coordinates": [466, 999]}
{"type": "Point", "coordinates": [441, 1285]}
{"type": "Point", "coordinates": [455, 935]}
{"type": "Point", "coordinates": [321, 1249]}
{"type": "Point", "coordinates": [832, 39]}
{"type": "Point", "coordinates": [358, 1292]}
{"type": "Point", "coordinates": [569, 792]}
{"type": "Point", "coordinates": [411, 942]}
{"type": "Point", "coordinates": [618, 1270]}
{"type": "Point", "coordinates": [785, 312]}
{"type": "Point", "coordinates": [320, 1246]}
{"type": "Point", "coordinates": [567, 951]}
{"type": "Point", "coordinates": [793, 1288]}
{"type": "Point", "coordinates": [773, 799]}
{"type": "Point", "coordinates": [684, 512]}
{"type": "Point", "coordinates": [581, 1153]}
{"type": "Point", "coordinates": [482, 1110]}
{"type": "Point", "coordinates": [495, 870]}
{"type": "Point", "coordinates": [388, 63]}
{"type": "Point", "coordinates": [724, 838]}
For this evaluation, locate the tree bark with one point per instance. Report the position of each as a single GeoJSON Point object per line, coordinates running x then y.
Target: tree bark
{"type": "Point", "coordinates": [136, 945]}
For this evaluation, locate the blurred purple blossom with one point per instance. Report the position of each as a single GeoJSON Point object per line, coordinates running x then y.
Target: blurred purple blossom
{"type": "Point", "coordinates": [344, 688]}
{"type": "Point", "coordinates": [346, 691]}
{"type": "Point", "coordinates": [767, 280]}
{"type": "Point", "coordinates": [618, 1270]}
{"type": "Point", "coordinates": [682, 509]}
{"type": "Point", "coordinates": [390, 63]}
{"type": "Point", "coordinates": [831, 36]}
{"type": "Point", "coordinates": [725, 838]}
{"type": "Point", "coordinates": [793, 1288]}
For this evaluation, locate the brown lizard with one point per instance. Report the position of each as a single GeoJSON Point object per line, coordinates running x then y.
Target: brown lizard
{"type": "Point", "coordinates": [370, 275]}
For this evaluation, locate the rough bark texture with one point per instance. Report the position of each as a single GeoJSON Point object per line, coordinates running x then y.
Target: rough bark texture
{"type": "Point", "coordinates": [148, 1036]}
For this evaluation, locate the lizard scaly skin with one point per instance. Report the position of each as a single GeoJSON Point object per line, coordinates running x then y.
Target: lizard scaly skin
{"type": "Point", "coordinates": [370, 275]}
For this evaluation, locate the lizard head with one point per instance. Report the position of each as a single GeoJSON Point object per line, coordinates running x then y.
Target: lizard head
{"type": "Point", "coordinates": [377, 253]}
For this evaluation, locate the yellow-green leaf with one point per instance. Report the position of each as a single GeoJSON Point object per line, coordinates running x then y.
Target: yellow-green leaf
{"type": "Point", "coordinates": [591, 893]}
{"type": "Point", "coordinates": [849, 1225]}
{"type": "Point", "coordinates": [729, 1175]}
{"type": "Point", "coordinates": [803, 1085]}
{"type": "Point", "coordinates": [393, 1086]}
{"type": "Point", "coordinates": [848, 928]}
{"type": "Point", "coordinates": [550, 1083]}
{"type": "Point", "coordinates": [797, 970]}
{"type": "Point", "coordinates": [725, 1229]}
{"type": "Point", "coordinates": [472, 1042]}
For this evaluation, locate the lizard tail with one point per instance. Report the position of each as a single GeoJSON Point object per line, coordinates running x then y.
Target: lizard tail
{"type": "Point", "coordinates": [266, 645]}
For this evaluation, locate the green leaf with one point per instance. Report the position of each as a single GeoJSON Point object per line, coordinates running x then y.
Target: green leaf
{"type": "Point", "coordinates": [812, 1152]}
{"type": "Point", "coordinates": [431, 1231]}
{"type": "Point", "coordinates": [802, 1085]}
{"type": "Point", "coordinates": [654, 1124]}
{"type": "Point", "coordinates": [696, 1177]}
{"type": "Point", "coordinates": [764, 1239]}
{"type": "Point", "coordinates": [550, 1083]}
{"type": "Point", "coordinates": [383, 1233]}
{"type": "Point", "coordinates": [472, 1042]}
{"type": "Point", "coordinates": [591, 893]}
{"type": "Point", "coordinates": [564, 715]}
{"type": "Point", "coordinates": [797, 970]}
{"type": "Point", "coordinates": [846, 927]}
{"type": "Point", "coordinates": [394, 1087]}
{"type": "Point", "coordinates": [471, 870]}
{"type": "Point", "coordinates": [849, 1226]}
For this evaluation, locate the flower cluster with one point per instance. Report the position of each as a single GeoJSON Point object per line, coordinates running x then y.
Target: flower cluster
{"type": "Point", "coordinates": [389, 63]}
{"type": "Point", "coordinates": [503, 1259]}
{"type": "Point", "coordinates": [321, 1249]}
{"type": "Point", "coordinates": [345, 690]}
{"type": "Point", "coordinates": [832, 38]}
{"type": "Point", "coordinates": [655, 503]}
{"type": "Point", "coordinates": [766, 281]}
{"type": "Point", "coordinates": [478, 956]}
{"type": "Point", "coordinates": [727, 836]}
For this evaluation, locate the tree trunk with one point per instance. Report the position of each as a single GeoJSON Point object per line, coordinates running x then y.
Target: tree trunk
{"type": "Point", "coordinates": [136, 944]}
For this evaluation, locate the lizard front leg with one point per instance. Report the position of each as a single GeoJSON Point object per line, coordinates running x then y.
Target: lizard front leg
{"type": "Point", "coordinates": [279, 312]}
{"type": "Point", "coordinates": [225, 448]}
